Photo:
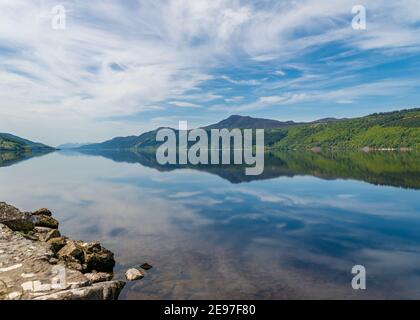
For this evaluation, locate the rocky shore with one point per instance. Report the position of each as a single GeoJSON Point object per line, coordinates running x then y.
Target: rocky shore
{"type": "Point", "coordinates": [38, 263]}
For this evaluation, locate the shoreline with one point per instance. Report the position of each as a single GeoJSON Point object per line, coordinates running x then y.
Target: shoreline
{"type": "Point", "coordinates": [38, 263]}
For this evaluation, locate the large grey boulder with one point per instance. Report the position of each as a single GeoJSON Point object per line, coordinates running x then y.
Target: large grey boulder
{"type": "Point", "coordinates": [45, 234]}
{"type": "Point", "coordinates": [56, 244]}
{"type": "Point", "coordinates": [91, 256]}
{"type": "Point", "coordinates": [42, 212]}
{"type": "Point", "coordinates": [72, 250]}
{"type": "Point", "coordinates": [15, 219]}
{"type": "Point", "coordinates": [97, 257]}
{"type": "Point", "coordinates": [45, 221]}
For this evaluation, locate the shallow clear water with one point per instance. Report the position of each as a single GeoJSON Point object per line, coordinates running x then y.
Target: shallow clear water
{"type": "Point", "coordinates": [295, 232]}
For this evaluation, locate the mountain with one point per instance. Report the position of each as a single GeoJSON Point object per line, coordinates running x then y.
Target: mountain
{"type": "Point", "coordinates": [68, 146]}
{"type": "Point", "coordinates": [143, 141]}
{"type": "Point", "coordinates": [397, 129]}
{"type": "Point", "coordinates": [242, 122]}
{"type": "Point", "coordinates": [325, 120]}
{"type": "Point", "coordinates": [9, 142]}
{"type": "Point", "coordinates": [148, 140]}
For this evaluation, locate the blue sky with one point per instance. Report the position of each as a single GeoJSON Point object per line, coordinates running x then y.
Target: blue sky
{"type": "Point", "coordinates": [123, 67]}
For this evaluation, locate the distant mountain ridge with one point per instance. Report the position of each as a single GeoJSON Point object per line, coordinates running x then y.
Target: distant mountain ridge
{"type": "Point", "coordinates": [397, 129]}
{"type": "Point", "coordinates": [9, 142]}
{"type": "Point", "coordinates": [67, 146]}
{"type": "Point", "coordinates": [145, 140]}
{"type": "Point", "coordinates": [246, 122]}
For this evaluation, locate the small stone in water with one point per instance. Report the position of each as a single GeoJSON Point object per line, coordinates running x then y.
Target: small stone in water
{"type": "Point", "coordinates": [134, 274]}
{"type": "Point", "coordinates": [146, 266]}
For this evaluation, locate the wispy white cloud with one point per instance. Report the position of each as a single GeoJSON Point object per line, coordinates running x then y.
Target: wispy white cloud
{"type": "Point", "coordinates": [345, 101]}
{"type": "Point", "coordinates": [279, 73]}
{"type": "Point", "coordinates": [251, 82]}
{"type": "Point", "coordinates": [184, 104]}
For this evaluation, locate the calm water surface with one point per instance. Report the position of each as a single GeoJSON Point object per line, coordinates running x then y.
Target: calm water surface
{"type": "Point", "coordinates": [294, 232]}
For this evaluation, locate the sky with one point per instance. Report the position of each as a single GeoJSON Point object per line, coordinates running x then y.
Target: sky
{"type": "Point", "coordinates": [119, 68]}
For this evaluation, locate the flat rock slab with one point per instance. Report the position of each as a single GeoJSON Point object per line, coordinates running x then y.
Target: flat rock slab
{"type": "Point", "coordinates": [27, 273]}
{"type": "Point", "coordinates": [98, 291]}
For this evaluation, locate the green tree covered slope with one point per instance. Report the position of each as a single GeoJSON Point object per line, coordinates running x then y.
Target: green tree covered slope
{"type": "Point", "coordinates": [398, 129]}
{"type": "Point", "coordinates": [9, 142]}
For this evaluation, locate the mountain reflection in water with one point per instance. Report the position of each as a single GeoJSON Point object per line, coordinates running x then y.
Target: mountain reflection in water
{"type": "Point", "coordinates": [399, 169]}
